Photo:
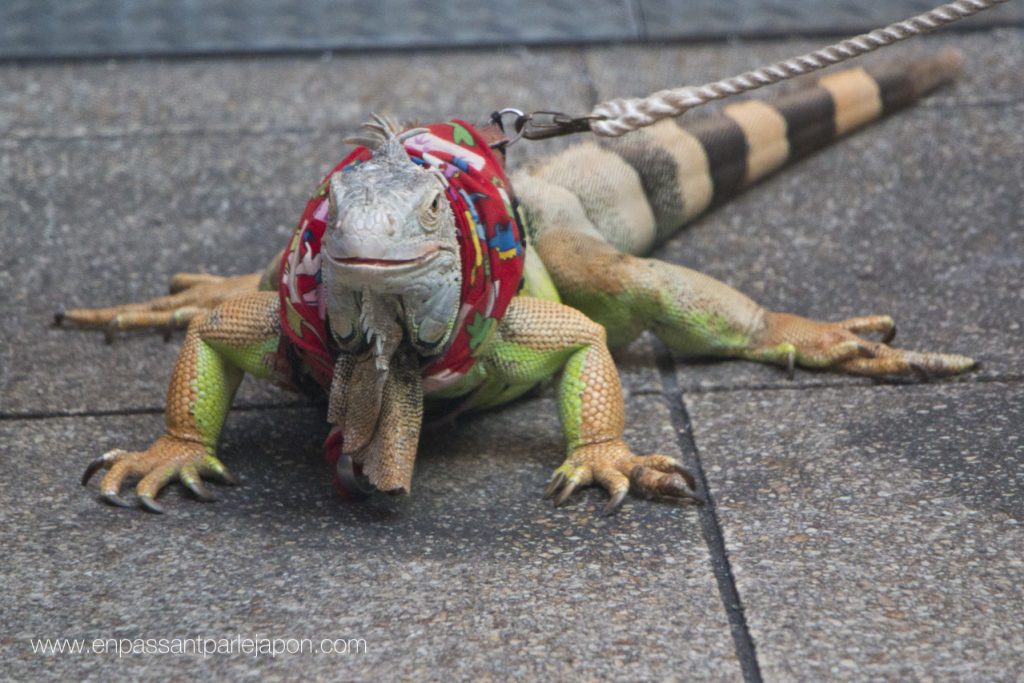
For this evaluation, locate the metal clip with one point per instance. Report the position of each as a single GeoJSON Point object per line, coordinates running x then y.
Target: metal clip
{"type": "Point", "coordinates": [539, 125]}
{"type": "Point", "coordinates": [498, 118]}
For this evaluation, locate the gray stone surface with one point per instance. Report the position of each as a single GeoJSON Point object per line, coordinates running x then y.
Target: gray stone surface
{"type": "Point", "coordinates": [874, 533]}
{"type": "Point", "coordinates": [118, 217]}
{"type": "Point", "coordinates": [637, 70]}
{"type": "Point", "coordinates": [311, 95]}
{"type": "Point", "coordinates": [474, 576]}
{"type": "Point", "coordinates": [873, 530]}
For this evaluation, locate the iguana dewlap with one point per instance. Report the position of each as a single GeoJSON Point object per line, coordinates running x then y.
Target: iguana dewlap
{"type": "Point", "coordinates": [386, 296]}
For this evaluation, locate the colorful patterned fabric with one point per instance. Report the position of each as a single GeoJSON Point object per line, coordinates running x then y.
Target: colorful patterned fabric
{"type": "Point", "coordinates": [490, 243]}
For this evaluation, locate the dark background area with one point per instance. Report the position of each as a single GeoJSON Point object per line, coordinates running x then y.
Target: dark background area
{"type": "Point", "coordinates": [105, 28]}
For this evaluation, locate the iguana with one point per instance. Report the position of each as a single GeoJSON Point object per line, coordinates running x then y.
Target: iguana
{"type": "Point", "coordinates": [416, 276]}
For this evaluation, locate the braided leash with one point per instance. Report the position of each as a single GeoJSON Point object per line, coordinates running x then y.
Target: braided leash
{"type": "Point", "coordinates": [616, 117]}
{"type": "Point", "coordinates": [619, 116]}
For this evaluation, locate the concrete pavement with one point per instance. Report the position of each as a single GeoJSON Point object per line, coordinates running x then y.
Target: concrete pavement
{"type": "Point", "coordinates": [859, 529]}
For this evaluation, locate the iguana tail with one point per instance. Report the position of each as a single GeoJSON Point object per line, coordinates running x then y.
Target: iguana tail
{"type": "Point", "coordinates": [639, 189]}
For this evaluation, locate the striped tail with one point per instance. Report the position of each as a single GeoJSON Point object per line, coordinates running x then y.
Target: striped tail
{"type": "Point", "coordinates": [753, 138]}
{"type": "Point", "coordinates": [641, 188]}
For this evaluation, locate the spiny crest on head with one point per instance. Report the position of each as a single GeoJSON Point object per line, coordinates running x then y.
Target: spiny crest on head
{"type": "Point", "coordinates": [385, 137]}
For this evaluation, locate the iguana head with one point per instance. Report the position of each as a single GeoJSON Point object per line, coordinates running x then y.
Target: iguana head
{"type": "Point", "coordinates": [391, 256]}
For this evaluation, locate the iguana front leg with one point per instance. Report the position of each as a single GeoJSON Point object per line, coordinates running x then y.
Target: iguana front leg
{"type": "Point", "coordinates": [697, 315]}
{"type": "Point", "coordinates": [240, 335]}
{"type": "Point", "coordinates": [534, 340]}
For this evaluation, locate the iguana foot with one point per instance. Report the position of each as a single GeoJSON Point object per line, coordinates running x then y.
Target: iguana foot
{"type": "Point", "coordinates": [612, 465]}
{"type": "Point", "coordinates": [167, 459]}
{"type": "Point", "coordinates": [792, 340]}
{"type": "Point", "coordinates": [191, 294]}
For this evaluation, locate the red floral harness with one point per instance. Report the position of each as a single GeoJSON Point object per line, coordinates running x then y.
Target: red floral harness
{"type": "Point", "coordinates": [490, 235]}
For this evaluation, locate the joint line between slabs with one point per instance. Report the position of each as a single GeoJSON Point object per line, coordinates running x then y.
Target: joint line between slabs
{"type": "Point", "coordinates": [711, 528]}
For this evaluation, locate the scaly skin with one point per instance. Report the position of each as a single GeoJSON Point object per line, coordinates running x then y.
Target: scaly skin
{"type": "Point", "coordinates": [593, 212]}
{"type": "Point", "coordinates": [699, 316]}
{"type": "Point", "coordinates": [536, 339]}
{"type": "Point", "coordinates": [238, 336]}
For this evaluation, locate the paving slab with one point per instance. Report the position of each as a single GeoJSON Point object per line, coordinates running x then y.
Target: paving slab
{"type": "Point", "coordinates": [990, 74]}
{"type": "Point", "coordinates": [883, 222]}
{"type": "Point", "coordinates": [119, 97]}
{"type": "Point", "coordinates": [131, 171]}
{"type": "Point", "coordinates": [874, 532]}
{"type": "Point", "coordinates": [118, 217]}
{"type": "Point", "coordinates": [473, 576]}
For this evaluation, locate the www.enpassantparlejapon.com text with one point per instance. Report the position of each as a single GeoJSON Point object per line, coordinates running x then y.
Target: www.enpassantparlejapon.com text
{"type": "Point", "coordinates": [255, 646]}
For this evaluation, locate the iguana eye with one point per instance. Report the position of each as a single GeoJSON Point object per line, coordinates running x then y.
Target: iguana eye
{"type": "Point", "coordinates": [430, 215]}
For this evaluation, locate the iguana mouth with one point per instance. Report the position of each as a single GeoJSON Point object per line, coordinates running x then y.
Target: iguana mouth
{"type": "Point", "coordinates": [377, 262]}
{"type": "Point", "coordinates": [374, 262]}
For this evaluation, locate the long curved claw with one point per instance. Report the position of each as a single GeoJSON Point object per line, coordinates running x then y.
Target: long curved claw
{"type": "Point", "coordinates": [150, 504]}
{"type": "Point", "coordinates": [167, 459]}
{"type": "Point", "coordinates": [570, 487]}
{"type": "Point", "coordinates": [890, 335]}
{"type": "Point", "coordinates": [654, 484]}
{"type": "Point", "coordinates": [687, 477]}
{"type": "Point", "coordinates": [677, 487]}
{"type": "Point", "coordinates": [91, 469]}
{"type": "Point", "coordinates": [102, 462]}
{"type": "Point", "coordinates": [615, 502]}
{"type": "Point", "coordinates": [112, 498]}
{"type": "Point", "coordinates": [215, 469]}
{"type": "Point", "coordinates": [557, 479]}
{"type": "Point", "coordinates": [190, 478]}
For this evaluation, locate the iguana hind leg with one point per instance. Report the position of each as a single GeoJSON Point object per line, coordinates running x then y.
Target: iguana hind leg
{"type": "Point", "coordinates": [170, 312]}
{"type": "Point", "coordinates": [238, 336]}
{"type": "Point", "coordinates": [536, 338]}
{"type": "Point", "coordinates": [697, 315]}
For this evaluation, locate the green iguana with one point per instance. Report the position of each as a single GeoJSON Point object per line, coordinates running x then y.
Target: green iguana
{"type": "Point", "coordinates": [414, 278]}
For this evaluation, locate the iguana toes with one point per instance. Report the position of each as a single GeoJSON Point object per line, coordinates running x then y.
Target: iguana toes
{"type": "Point", "coordinates": [408, 280]}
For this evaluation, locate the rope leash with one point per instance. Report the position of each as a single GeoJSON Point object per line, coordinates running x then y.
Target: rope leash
{"type": "Point", "coordinates": [619, 116]}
